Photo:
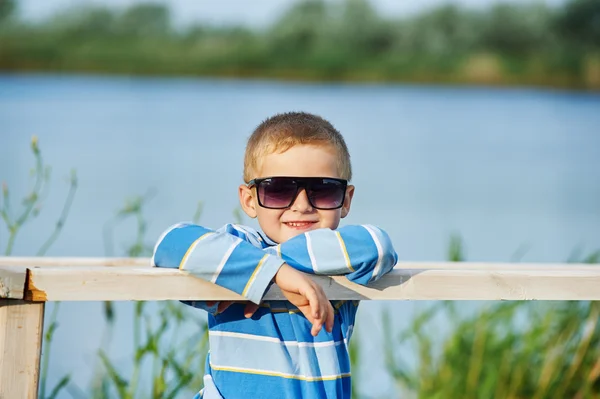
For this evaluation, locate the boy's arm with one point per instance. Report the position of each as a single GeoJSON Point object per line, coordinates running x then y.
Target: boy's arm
{"type": "Point", "coordinates": [363, 253]}
{"type": "Point", "coordinates": [221, 257]}
{"type": "Point", "coordinates": [226, 257]}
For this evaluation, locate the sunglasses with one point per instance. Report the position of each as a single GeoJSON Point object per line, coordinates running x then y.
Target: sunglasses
{"type": "Point", "coordinates": [323, 193]}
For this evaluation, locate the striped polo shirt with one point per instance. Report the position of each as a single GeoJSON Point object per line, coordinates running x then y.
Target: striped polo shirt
{"type": "Point", "coordinates": [273, 355]}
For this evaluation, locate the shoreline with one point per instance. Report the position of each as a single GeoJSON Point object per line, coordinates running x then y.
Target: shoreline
{"type": "Point", "coordinates": [310, 77]}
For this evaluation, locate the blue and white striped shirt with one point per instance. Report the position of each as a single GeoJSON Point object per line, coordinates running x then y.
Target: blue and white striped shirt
{"type": "Point", "coordinates": [273, 354]}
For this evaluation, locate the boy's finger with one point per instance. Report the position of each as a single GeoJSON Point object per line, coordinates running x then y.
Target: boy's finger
{"type": "Point", "coordinates": [324, 302]}
{"type": "Point", "coordinates": [317, 325]}
{"type": "Point", "coordinates": [250, 309]}
{"type": "Point", "coordinates": [330, 318]}
{"type": "Point", "coordinates": [223, 306]}
{"type": "Point", "coordinates": [315, 305]}
{"type": "Point", "coordinates": [323, 311]}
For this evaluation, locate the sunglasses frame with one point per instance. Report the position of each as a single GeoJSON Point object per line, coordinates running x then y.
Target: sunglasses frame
{"type": "Point", "coordinates": [302, 183]}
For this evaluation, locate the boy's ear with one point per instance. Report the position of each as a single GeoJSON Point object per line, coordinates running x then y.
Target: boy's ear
{"type": "Point", "coordinates": [247, 200]}
{"type": "Point", "coordinates": [347, 201]}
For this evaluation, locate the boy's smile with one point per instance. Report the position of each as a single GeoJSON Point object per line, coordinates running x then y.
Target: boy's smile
{"type": "Point", "coordinates": [301, 225]}
{"type": "Point", "coordinates": [304, 160]}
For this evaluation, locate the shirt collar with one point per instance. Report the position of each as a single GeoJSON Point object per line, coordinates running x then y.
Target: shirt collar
{"type": "Point", "coordinates": [266, 239]}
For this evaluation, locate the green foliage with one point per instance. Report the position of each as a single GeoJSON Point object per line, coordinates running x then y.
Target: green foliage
{"type": "Point", "coordinates": [455, 249]}
{"type": "Point", "coordinates": [513, 349]}
{"type": "Point", "coordinates": [579, 21]}
{"type": "Point", "coordinates": [518, 31]}
{"type": "Point", "coordinates": [528, 43]}
{"type": "Point", "coordinates": [144, 20]}
{"type": "Point", "coordinates": [168, 363]}
{"type": "Point", "coordinates": [31, 208]}
{"type": "Point", "coordinates": [32, 203]}
{"type": "Point", "coordinates": [508, 350]}
{"type": "Point", "coordinates": [441, 31]}
{"type": "Point", "coordinates": [7, 9]}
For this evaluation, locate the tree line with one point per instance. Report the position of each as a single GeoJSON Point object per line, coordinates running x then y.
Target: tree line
{"type": "Point", "coordinates": [506, 43]}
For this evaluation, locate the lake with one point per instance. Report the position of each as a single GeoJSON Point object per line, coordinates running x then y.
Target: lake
{"type": "Point", "coordinates": [515, 172]}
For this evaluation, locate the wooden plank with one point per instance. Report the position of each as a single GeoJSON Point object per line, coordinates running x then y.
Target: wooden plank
{"type": "Point", "coordinates": [145, 262]}
{"type": "Point", "coordinates": [39, 261]}
{"type": "Point", "coordinates": [452, 282]}
{"type": "Point", "coordinates": [21, 329]}
{"type": "Point", "coordinates": [12, 282]}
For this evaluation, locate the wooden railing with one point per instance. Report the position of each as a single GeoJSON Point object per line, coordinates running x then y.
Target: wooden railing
{"type": "Point", "coordinates": [27, 283]}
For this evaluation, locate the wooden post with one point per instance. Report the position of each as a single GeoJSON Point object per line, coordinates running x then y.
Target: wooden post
{"type": "Point", "coordinates": [21, 331]}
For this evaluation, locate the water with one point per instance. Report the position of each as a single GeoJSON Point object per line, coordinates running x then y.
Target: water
{"type": "Point", "coordinates": [508, 170]}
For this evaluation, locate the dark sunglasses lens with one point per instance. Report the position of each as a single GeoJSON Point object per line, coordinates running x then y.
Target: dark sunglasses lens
{"type": "Point", "coordinates": [277, 193]}
{"type": "Point", "coordinates": [327, 194]}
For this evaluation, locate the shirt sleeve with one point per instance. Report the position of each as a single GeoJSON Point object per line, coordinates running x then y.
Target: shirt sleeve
{"type": "Point", "coordinates": [226, 257]}
{"type": "Point", "coordinates": [364, 253]}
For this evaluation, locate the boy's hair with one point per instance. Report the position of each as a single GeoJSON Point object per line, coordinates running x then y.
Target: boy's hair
{"type": "Point", "coordinates": [281, 132]}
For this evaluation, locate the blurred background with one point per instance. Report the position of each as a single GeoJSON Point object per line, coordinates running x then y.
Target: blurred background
{"type": "Point", "coordinates": [474, 130]}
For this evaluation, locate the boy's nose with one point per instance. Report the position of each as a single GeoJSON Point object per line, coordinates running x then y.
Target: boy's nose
{"type": "Point", "coordinates": [301, 203]}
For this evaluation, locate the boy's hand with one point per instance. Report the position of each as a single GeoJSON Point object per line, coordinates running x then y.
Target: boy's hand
{"type": "Point", "coordinates": [307, 296]}
{"type": "Point", "coordinates": [303, 293]}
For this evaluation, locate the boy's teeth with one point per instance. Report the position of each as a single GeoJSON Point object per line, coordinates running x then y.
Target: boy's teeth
{"type": "Point", "coordinates": [298, 224]}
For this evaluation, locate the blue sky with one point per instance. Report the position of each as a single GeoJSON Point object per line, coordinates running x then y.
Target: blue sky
{"type": "Point", "coordinates": [257, 12]}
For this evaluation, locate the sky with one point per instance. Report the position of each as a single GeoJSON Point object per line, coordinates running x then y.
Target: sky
{"type": "Point", "coordinates": [248, 12]}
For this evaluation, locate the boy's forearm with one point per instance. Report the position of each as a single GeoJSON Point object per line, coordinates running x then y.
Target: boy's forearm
{"type": "Point", "coordinates": [362, 253]}
{"type": "Point", "coordinates": [218, 257]}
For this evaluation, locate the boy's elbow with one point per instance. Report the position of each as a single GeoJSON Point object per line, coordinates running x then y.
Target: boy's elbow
{"type": "Point", "coordinates": [170, 245]}
{"type": "Point", "coordinates": [389, 257]}
{"type": "Point", "coordinates": [388, 247]}
{"type": "Point", "coordinates": [161, 257]}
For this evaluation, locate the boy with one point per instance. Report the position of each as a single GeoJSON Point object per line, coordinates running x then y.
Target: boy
{"type": "Point", "coordinates": [296, 173]}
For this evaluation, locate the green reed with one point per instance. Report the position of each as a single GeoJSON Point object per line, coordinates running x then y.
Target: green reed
{"type": "Point", "coordinates": [515, 349]}
{"type": "Point", "coordinates": [163, 364]}
{"type": "Point", "coordinates": [31, 206]}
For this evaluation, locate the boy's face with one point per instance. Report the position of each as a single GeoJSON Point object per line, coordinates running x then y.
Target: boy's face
{"type": "Point", "coordinates": [299, 161]}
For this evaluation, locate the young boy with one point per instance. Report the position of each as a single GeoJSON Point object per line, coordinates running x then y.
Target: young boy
{"type": "Point", "coordinates": [296, 173]}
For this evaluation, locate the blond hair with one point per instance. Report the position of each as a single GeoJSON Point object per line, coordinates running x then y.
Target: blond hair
{"type": "Point", "coordinates": [281, 132]}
